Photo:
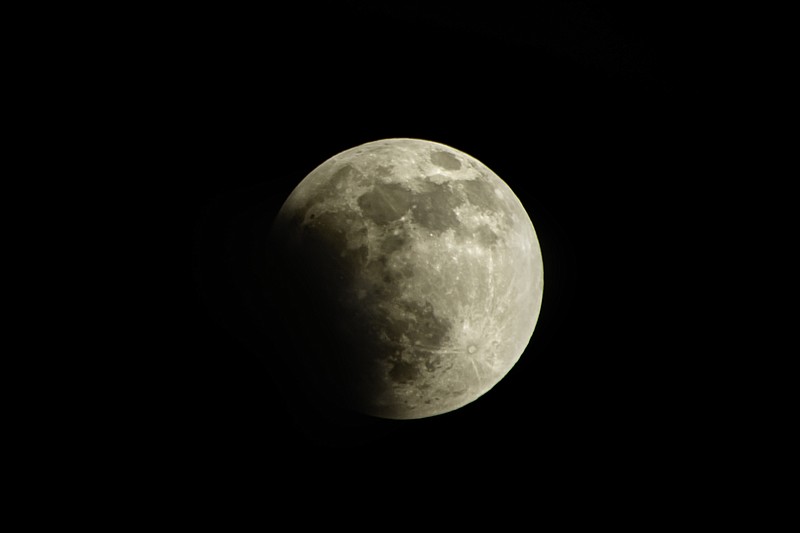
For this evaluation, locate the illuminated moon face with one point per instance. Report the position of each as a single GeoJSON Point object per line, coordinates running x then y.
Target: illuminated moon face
{"type": "Point", "coordinates": [413, 272]}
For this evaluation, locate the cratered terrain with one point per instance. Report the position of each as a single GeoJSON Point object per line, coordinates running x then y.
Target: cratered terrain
{"type": "Point", "coordinates": [410, 275]}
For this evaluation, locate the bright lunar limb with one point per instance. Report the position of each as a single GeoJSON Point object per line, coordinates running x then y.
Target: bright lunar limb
{"type": "Point", "coordinates": [412, 274]}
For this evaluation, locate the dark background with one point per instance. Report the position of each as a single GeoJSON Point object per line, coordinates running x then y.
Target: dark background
{"type": "Point", "coordinates": [579, 107]}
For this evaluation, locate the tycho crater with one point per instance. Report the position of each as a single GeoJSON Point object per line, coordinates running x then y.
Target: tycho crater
{"type": "Point", "coordinates": [412, 275]}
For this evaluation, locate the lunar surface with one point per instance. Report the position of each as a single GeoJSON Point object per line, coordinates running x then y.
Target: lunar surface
{"type": "Point", "coordinates": [412, 274]}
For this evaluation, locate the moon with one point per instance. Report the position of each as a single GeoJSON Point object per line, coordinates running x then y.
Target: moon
{"type": "Point", "coordinates": [411, 275]}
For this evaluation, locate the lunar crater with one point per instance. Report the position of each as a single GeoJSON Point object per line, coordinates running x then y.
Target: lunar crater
{"type": "Point", "coordinates": [421, 264]}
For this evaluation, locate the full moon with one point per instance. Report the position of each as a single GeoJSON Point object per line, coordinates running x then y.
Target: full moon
{"type": "Point", "coordinates": [411, 274]}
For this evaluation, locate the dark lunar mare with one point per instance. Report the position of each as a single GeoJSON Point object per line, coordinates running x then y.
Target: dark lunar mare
{"type": "Point", "coordinates": [405, 297]}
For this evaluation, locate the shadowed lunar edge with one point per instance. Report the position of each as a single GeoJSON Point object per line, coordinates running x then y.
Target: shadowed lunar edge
{"type": "Point", "coordinates": [413, 275]}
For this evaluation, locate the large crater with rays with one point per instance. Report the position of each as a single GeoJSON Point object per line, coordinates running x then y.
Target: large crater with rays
{"type": "Point", "coordinates": [411, 275]}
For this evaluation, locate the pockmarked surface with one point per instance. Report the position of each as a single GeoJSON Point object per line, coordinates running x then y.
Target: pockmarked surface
{"type": "Point", "coordinates": [415, 269]}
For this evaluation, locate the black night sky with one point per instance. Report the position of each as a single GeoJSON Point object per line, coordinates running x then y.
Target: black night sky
{"type": "Point", "coordinates": [574, 105]}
